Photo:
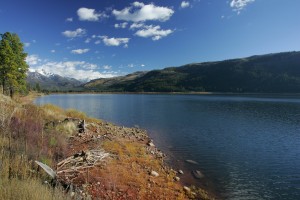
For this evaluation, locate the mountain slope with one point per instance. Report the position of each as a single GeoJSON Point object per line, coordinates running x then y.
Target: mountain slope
{"type": "Point", "coordinates": [52, 82]}
{"type": "Point", "coordinates": [279, 72]}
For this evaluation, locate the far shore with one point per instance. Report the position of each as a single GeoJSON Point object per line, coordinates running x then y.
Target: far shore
{"type": "Point", "coordinates": [171, 93]}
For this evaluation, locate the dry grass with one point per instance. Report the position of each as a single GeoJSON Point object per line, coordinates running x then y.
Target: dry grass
{"type": "Point", "coordinates": [52, 112]}
{"type": "Point", "coordinates": [22, 140]}
{"type": "Point", "coordinates": [29, 189]}
{"type": "Point", "coordinates": [75, 114]}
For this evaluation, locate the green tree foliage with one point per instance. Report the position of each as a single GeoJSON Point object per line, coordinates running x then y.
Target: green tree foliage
{"type": "Point", "coordinates": [13, 66]}
{"type": "Point", "coordinates": [37, 87]}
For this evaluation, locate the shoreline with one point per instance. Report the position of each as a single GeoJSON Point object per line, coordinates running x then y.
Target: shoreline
{"type": "Point", "coordinates": [129, 135]}
{"type": "Point", "coordinates": [177, 93]}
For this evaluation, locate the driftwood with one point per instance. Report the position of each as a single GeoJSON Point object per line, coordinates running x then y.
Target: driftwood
{"type": "Point", "coordinates": [47, 169]}
{"type": "Point", "coordinates": [70, 167]}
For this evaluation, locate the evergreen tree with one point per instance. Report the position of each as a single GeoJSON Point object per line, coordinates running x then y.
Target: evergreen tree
{"type": "Point", "coordinates": [37, 87]}
{"type": "Point", "coordinates": [13, 67]}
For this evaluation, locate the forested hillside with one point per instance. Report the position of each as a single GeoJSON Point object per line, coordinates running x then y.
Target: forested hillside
{"type": "Point", "coordinates": [271, 73]}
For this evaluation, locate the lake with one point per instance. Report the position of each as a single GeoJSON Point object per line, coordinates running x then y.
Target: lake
{"type": "Point", "coordinates": [247, 146]}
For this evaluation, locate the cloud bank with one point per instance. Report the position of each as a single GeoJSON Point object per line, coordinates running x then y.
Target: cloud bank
{"type": "Point", "coordinates": [79, 70]}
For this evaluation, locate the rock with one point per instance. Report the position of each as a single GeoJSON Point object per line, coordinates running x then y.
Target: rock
{"type": "Point", "coordinates": [186, 189]}
{"type": "Point", "coordinates": [192, 162]}
{"type": "Point", "coordinates": [177, 178]}
{"type": "Point", "coordinates": [197, 174]}
{"type": "Point", "coordinates": [151, 144]}
{"type": "Point", "coordinates": [154, 173]}
{"type": "Point", "coordinates": [72, 194]}
{"type": "Point", "coordinates": [180, 171]}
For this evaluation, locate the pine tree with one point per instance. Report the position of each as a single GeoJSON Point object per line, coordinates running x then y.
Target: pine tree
{"type": "Point", "coordinates": [13, 67]}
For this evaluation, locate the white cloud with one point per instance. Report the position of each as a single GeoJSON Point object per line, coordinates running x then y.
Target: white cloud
{"type": "Point", "coordinates": [121, 25]}
{"type": "Point", "coordinates": [155, 32]}
{"type": "Point", "coordinates": [70, 19]}
{"type": "Point", "coordinates": [98, 42]}
{"type": "Point", "coordinates": [131, 65]}
{"type": "Point", "coordinates": [142, 65]}
{"type": "Point", "coordinates": [27, 44]}
{"type": "Point", "coordinates": [88, 40]}
{"type": "Point", "coordinates": [33, 59]}
{"type": "Point", "coordinates": [79, 51]}
{"type": "Point", "coordinates": [115, 41]}
{"type": "Point", "coordinates": [136, 25]}
{"type": "Point", "coordinates": [77, 33]}
{"type": "Point", "coordinates": [239, 5]}
{"type": "Point", "coordinates": [80, 70]}
{"type": "Point", "coordinates": [107, 67]}
{"type": "Point", "coordinates": [88, 14]}
{"type": "Point", "coordinates": [138, 4]}
{"type": "Point", "coordinates": [185, 4]}
{"type": "Point", "coordinates": [138, 12]}
{"type": "Point", "coordinates": [52, 51]}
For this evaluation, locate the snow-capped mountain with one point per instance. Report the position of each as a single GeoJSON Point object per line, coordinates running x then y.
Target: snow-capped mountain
{"type": "Point", "coordinates": [50, 81]}
{"type": "Point", "coordinates": [45, 73]}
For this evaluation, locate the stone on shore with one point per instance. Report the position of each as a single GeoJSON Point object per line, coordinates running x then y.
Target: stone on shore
{"type": "Point", "coordinates": [151, 144]}
{"type": "Point", "coordinates": [197, 174]}
{"type": "Point", "coordinates": [186, 189]}
{"type": "Point", "coordinates": [154, 173]}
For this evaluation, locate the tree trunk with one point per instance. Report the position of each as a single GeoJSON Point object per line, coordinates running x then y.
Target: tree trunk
{"type": "Point", "coordinates": [11, 92]}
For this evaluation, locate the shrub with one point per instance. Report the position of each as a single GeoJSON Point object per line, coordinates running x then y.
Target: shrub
{"type": "Point", "coordinates": [75, 114]}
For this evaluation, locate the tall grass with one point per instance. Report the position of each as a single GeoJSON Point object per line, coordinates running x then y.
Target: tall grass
{"type": "Point", "coordinates": [29, 189]}
{"type": "Point", "coordinates": [24, 139]}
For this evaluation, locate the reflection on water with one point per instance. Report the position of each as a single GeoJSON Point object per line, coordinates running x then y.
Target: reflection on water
{"type": "Point", "coordinates": [247, 146]}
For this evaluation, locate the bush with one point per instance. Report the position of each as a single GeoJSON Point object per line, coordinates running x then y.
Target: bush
{"type": "Point", "coordinates": [75, 114]}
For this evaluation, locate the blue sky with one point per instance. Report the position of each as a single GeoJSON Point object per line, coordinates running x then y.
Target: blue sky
{"type": "Point", "coordinates": [96, 38]}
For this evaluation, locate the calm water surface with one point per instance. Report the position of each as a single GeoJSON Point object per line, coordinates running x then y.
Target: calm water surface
{"type": "Point", "coordinates": [247, 146]}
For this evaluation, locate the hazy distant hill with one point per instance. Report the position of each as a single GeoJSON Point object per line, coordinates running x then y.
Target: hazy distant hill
{"type": "Point", "coordinates": [278, 72]}
{"type": "Point", "coordinates": [52, 82]}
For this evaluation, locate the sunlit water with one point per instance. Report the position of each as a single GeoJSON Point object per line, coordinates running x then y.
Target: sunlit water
{"type": "Point", "coordinates": [247, 146]}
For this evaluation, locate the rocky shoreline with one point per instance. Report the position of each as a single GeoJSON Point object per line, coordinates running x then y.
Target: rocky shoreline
{"type": "Point", "coordinates": [133, 168]}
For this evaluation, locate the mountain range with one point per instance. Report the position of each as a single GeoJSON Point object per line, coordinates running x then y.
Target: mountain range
{"type": "Point", "coordinates": [270, 73]}
{"type": "Point", "coordinates": [51, 82]}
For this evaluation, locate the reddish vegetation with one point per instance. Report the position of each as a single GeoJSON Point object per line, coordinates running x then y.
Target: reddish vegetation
{"type": "Point", "coordinates": [102, 162]}
{"type": "Point", "coordinates": [125, 174]}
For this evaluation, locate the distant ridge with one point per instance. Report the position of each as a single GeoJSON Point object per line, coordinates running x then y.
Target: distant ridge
{"type": "Point", "coordinates": [270, 73]}
{"type": "Point", "coordinates": [51, 82]}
